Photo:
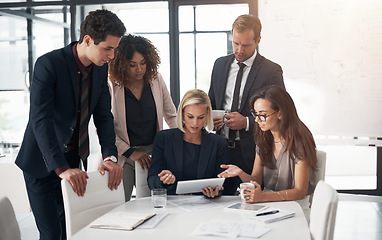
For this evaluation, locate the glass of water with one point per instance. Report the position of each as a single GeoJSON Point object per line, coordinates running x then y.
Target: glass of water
{"type": "Point", "coordinates": [159, 197]}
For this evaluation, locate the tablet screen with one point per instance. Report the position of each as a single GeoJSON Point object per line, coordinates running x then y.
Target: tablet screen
{"type": "Point", "coordinates": [247, 207]}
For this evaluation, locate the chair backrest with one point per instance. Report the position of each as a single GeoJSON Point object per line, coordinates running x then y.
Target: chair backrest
{"type": "Point", "coordinates": [323, 212]}
{"type": "Point", "coordinates": [97, 200]}
{"type": "Point", "coordinates": [9, 228]}
{"type": "Point", "coordinates": [318, 175]}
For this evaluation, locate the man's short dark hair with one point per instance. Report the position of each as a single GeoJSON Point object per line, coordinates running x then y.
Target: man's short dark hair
{"type": "Point", "coordinates": [100, 23]}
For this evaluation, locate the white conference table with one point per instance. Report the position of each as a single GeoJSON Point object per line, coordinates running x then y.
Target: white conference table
{"type": "Point", "coordinates": [180, 223]}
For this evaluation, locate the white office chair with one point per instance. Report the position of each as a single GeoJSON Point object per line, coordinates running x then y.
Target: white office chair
{"type": "Point", "coordinates": [323, 213]}
{"type": "Point", "coordinates": [319, 175]}
{"type": "Point", "coordinates": [9, 228]}
{"type": "Point", "coordinates": [97, 200]}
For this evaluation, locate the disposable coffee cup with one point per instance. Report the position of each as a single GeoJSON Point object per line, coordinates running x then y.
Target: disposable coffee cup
{"type": "Point", "coordinates": [245, 185]}
{"type": "Point", "coordinates": [159, 197]}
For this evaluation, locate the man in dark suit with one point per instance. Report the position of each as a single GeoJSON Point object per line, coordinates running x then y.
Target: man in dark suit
{"type": "Point", "coordinates": [235, 78]}
{"type": "Point", "coordinates": [69, 85]}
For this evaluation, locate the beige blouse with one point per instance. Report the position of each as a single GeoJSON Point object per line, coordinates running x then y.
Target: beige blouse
{"type": "Point", "coordinates": [164, 106]}
{"type": "Point", "coordinates": [282, 177]}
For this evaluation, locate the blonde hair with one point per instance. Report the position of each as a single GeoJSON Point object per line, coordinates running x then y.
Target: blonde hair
{"type": "Point", "coordinates": [197, 97]}
{"type": "Point", "coordinates": [248, 22]}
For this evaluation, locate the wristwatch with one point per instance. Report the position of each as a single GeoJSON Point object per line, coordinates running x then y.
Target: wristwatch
{"type": "Point", "coordinates": [110, 158]}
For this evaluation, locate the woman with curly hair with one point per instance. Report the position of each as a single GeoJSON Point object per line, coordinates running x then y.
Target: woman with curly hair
{"type": "Point", "coordinates": [140, 102]}
{"type": "Point", "coordinates": [285, 151]}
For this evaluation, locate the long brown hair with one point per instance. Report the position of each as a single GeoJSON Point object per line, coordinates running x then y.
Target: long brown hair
{"type": "Point", "coordinates": [298, 139]}
{"type": "Point", "coordinates": [128, 45]}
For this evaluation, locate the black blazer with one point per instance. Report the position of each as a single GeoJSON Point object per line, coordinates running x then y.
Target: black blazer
{"type": "Point", "coordinates": [53, 112]}
{"type": "Point", "coordinates": [168, 155]}
{"type": "Point", "coordinates": [263, 72]}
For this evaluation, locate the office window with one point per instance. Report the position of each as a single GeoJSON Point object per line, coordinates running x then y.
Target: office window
{"type": "Point", "coordinates": [150, 20]}
{"type": "Point", "coordinates": [14, 53]}
{"type": "Point", "coordinates": [48, 34]}
{"type": "Point", "coordinates": [203, 38]}
{"type": "Point", "coordinates": [14, 110]}
{"type": "Point", "coordinates": [13, 81]}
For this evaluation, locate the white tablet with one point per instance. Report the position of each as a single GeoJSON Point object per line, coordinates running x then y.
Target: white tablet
{"type": "Point", "coordinates": [246, 207]}
{"type": "Point", "coordinates": [193, 186]}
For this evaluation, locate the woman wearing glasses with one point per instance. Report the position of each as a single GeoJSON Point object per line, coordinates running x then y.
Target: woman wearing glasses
{"type": "Point", "coordinates": [140, 102]}
{"type": "Point", "coordinates": [285, 151]}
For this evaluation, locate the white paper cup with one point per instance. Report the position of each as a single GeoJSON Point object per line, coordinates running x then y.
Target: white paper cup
{"type": "Point", "coordinates": [218, 113]}
{"type": "Point", "coordinates": [159, 197]}
{"type": "Point", "coordinates": [245, 185]}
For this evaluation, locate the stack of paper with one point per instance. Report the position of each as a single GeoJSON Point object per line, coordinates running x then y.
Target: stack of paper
{"type": "Point", "coordinates": [231, 229]}
{"type": "Point", "coordinates": [281, 215]}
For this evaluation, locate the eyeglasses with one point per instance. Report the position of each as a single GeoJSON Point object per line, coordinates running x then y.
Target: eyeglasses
{"type": "Point", "coordinates": [262, 117]}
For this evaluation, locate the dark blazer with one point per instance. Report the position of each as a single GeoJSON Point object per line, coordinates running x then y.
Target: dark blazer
{"type": "Point", "coordinates": [263, 72]}
{"type": "Point", "coordinates": [168, 155]}
{"type": "Point", "coordinates": [53, 112]}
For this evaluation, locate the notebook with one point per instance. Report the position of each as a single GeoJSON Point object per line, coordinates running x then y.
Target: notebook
{"type": "Point", "coordinates": [281, 215]}
{"type": "Point", "coordinates": [121, 220]}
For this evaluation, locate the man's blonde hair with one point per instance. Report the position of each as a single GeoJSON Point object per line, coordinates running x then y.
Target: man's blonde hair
{"type": "Point", "coordinates": [248, 22]}
{"type": "Point", "coordinates": [197, 97]}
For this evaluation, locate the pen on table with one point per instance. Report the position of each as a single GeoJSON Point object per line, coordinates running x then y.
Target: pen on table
{"type": "Point", "coordinates": [267, 213]}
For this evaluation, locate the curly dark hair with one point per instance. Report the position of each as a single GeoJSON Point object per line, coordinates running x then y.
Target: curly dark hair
{"type": "Point", "coordinates": [299, 140]}
{"type": "Point", "coordinates": [99, 24]}
{"type": "Point", "coordinates": [130, 44]}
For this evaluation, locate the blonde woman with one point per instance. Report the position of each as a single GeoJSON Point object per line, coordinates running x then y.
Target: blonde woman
{"type": "Point", "coordinates": [189, 151]}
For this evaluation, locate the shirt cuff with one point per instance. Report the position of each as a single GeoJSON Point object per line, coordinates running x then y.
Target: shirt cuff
{"type": "Point", "coordinates": [61, 169]}
{"type": "Point", "coordinates": [128, 152]}
{"type": "Point", "coordinates": [247, 128]}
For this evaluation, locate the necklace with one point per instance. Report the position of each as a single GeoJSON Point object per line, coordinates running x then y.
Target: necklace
{"type": "Point", "coordinates": [277, 141]}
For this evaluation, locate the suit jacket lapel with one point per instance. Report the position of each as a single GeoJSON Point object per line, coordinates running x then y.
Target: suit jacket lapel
{"type": "Point", "coordinates": [120, 113]}
{"type": "Point", "coordinates": [204, 157]}
{"type": "Point", "coordinates": [71, 64]}
{"type": "Point", "coordinates": [224, 77]}
{"type": "Point", "coordinates": [157, 99]}
{"type": "Point", "coordinates": [177, 142]}
{"type": "Point", "coordinates": [251, 79]}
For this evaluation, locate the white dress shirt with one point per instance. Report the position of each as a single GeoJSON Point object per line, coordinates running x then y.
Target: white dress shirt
{"type": "Point", "coordinates": [234, 69]}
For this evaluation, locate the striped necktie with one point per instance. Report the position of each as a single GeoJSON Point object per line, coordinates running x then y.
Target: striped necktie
{"type": "Point", "coordinates": [83, 143]}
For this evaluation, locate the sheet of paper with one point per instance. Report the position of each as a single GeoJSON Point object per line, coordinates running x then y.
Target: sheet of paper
{"type": "Point", "coordinates": [231, 229]}
{"type": "Point", "coordinates": [194, 203]}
